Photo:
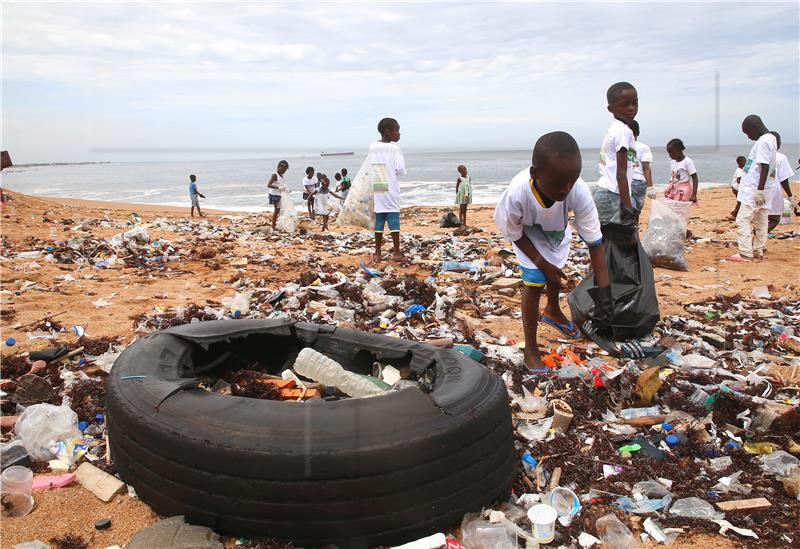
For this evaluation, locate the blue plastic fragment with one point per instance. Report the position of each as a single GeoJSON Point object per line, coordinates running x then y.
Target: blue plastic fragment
{"type": "Point", "coordinates": [11, 341]}
{"type": "Point", "coordinates": [667, 426]}
{"type": "Point", "coordinates": [133, 377]}
{"type": "Point", "coordinates": [470, 351]}
{"type": "Point", "coordinates": [83, 425]}
{"type": "Point", "coordinates": [733, 445]}
{"type": "Point", "coordinates": [99, 418]}
{"type": "Point", "coordinates": [414, 309]}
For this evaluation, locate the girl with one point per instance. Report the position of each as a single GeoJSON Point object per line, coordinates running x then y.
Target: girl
{"type": "Point", "coordinates": [683, 185]}
{"type": "Point", "coordinates": [310, 183]}
{"type": "Point", "coordinates": [276, 185]}
{"type": "Point", "coordinates": [321, 199]}
{"type": "Point", "coordinates": [463, 194]}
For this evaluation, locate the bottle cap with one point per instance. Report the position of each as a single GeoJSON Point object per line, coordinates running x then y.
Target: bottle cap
{"type": "Point", "coordinates": [83, 425]}
{"type": "Point", "coordinates": [672, 440]}
{"type": "Point", "coordinates": [667, 426]}
{"type": "Point", "coordinates": [11, 341]}
{"type": "Point", "coordinates": [99, 418]}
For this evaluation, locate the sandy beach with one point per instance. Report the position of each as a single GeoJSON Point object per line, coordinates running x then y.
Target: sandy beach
{"type": "Point", "coordinates": [214, 259]}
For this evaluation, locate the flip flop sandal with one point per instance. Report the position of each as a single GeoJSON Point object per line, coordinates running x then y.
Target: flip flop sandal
{"type": "Point", "coordinates": [570, 330]}
{"type": "Point", "coordinates": [738, 258]}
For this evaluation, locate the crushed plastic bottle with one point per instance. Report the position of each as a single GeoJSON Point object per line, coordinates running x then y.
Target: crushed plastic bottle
{"type": "Point", "coordinates": [614, 534]}
{"type": "Point", "coordinates": [319, 367]}
{"type": "Point", "coordinates": [632, 413]}
{"type": "Point", "coordinates": [694, 508]}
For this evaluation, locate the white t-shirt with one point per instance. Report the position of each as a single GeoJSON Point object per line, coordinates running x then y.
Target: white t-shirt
{"type": "Point", "coordinates": [682, 170]}
{"type": "Point", "coordinates": [310, 183]}
{"type": "Point", "coordinates": [736, 175]}
{"type": "Point", "coordinates": [519, 212]}
{"type": "Point", "coordinates": [783, 171]}
{"type": "Point", "coordinates": [763, 152]}
{"type": "Point", "coordinates": [618, 136]}
{"type": "Point", "coordinates": [276, 192]}
{"type": "Point", "coordinates": [386, 163]}
{"type": "Point", "coordinates": [643, 154]}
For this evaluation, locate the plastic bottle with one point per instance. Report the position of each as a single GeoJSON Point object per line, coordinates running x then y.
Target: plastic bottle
{"type": "Point", "coordinates": [631, 413]}
{"type": "Point", "coordinates": [319, 367]}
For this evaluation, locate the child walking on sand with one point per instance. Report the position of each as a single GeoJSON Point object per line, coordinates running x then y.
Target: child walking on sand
{"type": "Point", "coordinates": [276, 186]}
{"type": "Point", "coordinates": [737, 176]}
{"type": "Point", "coordinates": [310, 183]}
{"type": "Point", "coordinates": [612, 195]}
{"type": "Point", "coordinates": [532, 213]}
{"type": "Point", "coordinates": [194, 194]}
{"type": "Point", "coordinates": [463, 194]}
{"type": "Point", "coordinates": [386, 164]}
{"type": "Point", "coordinates": [321, 199]}
{"type": "Point", "coordinates": [683, 184]}
{"type": "Point", "coordinates": [754, 211]}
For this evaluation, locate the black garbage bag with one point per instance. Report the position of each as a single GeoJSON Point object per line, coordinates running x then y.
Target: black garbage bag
{"type": "Point", "coordinates": [632, 285]}
{"type": "Point", "coordinates": [450, 220]}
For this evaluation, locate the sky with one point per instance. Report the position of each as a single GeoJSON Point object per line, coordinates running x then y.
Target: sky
{"type": "Point", "coordinates": [141, 81]}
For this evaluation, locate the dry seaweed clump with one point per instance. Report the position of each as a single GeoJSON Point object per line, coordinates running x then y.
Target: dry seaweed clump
{"type": "Point", "coordinates": [88, 398]}
{"type": "Point", "coordinates": [70, 541]}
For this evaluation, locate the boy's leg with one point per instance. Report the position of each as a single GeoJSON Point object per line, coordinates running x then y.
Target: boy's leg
{"type": "Point", "coordinates": [192, 211]}
{"type": "Point", "coordinates": [553, 308]}
{"type": "Point", "coordinates": [324, 223]}
{"type": "Point", "coordinates": [745, 229]}
{"type": "Point", "coordinates": [275, 213]}
{"type": "Point", "coordinates": [774, 221]}
{"type": "Point", "coordinates": [462, 214]}
{"type": "Point", "coordinates": [530, 325]}
{"type": "Point", "coordinates": [199, 212]}
{"type": "Point", "coordinates": [380, 220]}
{"type": "Point", "coordinates": [393, 219]}
{"type": "Point", "coordinates": [760, 222]}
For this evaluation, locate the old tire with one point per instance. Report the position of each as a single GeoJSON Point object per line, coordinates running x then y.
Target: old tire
{"type": "Point", "coordinates": [356, 472]}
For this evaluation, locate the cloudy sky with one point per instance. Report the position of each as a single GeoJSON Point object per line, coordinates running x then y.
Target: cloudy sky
{"type": "Point", "coordinates": [241, 78]}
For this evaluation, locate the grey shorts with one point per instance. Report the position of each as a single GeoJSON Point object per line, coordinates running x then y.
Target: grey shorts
{"type": "Point", "coordinates": [638, 194]}
{"type": "Point", "coordinates": [195, 201]}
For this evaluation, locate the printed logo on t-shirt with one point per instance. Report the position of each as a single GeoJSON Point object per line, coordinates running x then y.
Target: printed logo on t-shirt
{"type": "Point", "coordinates": [380, 178]}
{"type": "Point", "coordinates": [632, 157]}
{"type": "Point", "coordinates": [556, 237]}
{"type": "Point", "coordinates": [747, 165]}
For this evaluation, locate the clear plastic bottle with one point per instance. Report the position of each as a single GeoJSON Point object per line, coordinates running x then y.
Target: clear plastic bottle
{"type": "Point", "coordinates": [631, 413]}
{"type": "Point", "coordinates": [614, 534]}
{"type": "Point", "coordinates": [319, 367]}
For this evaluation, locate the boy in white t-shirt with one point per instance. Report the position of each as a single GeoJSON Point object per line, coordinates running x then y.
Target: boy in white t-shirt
{"type": "Point", "coordinates": [386, 163]}
{"type": "Point", "coordinates": [754, 211]}
{"type": "Point", "coordinates": [532, 214]}
{"type": "Point", "coordinates": [642, 184]}
{"type": "Point", "coordinates": [737, 176]}
{"type": "Point", "coordinates": [310, 182]}
{"type": "Point", "coordinates": [778, 183]}
{"type": "Point", "coordinates": [617, 156]}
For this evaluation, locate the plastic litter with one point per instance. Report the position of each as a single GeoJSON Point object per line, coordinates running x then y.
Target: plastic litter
{"type": "Point", "coordinates": [319, 367]}
{"type": "Point", "coordinates": [287, 218]}
{"type": "Point", "coordinates": [16, 484]}
{"type": "Point", "coordinates": [565, 502]}
{"type": "Point", "coordinates": [41, 426]}
{"type": "Point", "coordinates": [614, 534]}
{"type": "Point", "coordinates": [779, 463]}
{"type": "Point", "coordinates": [693, 507]}
{"type": "Point", "coordinates": [665, 235]}
{"type": "Point", "coordinates": [731, 484]}
{"type": "Point", "coordinates": [477, 533]}
{"type": "Point", "coordinates": [543, 522]}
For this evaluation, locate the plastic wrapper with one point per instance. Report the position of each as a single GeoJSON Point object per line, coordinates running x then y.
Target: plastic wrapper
{"type": "Point", "coordinates": [666, 232]}
{"type": "Point", "coordinates": [694, 508]}
{"type": "Point", "coordinates": [359, 206]}
{"type": "Point", "coordinates": [632, 285]}
{"type": "Point", "coordinates": [731, 484]}
{"type": "Point", "coordinates": [614, 534]}
{"type": "Point", "coordinates": [287, 218]}
{"type": "Point", "coordinates": [42, 426]}
{"type": "Point", "coordinates": [481, 534]}
{"type": "Point", "coordinates": [779, 463]}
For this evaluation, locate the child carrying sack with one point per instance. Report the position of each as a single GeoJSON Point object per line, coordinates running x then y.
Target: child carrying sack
{"type": "Point", "coordinates": [666, 232]}
{"type": "Point", "coordinates": [358, 208]}
{"type": "Point", "coordinates": [287, 218]}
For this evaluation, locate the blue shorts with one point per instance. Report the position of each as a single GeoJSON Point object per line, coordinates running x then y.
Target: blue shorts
{"type": "Point", "coordinates": [390, 218]}
{"type": "Point", "coordinates": [275, 200]}
{"type": "Point", "coordinates": [533, 277]}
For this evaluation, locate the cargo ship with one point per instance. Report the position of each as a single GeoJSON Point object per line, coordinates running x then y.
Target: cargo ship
{"type": "Point", "coordinates": [323, 153]}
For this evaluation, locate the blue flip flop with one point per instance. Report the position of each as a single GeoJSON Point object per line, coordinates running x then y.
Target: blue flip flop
{"type": "Point", "coordinates": [570, 330]}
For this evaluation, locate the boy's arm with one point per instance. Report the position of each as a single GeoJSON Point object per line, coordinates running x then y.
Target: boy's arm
{"type": "Point", "coordinates": [622, 177]}
{"type": "Point", "coordinates": [552, 273]}
{"type": "Point", "coordinates": [648, 174]}
{"type": "Point", "coordinates": [597, 258]}
{"type": "Point", "coordinates": [458, 183]}
{"type": "Point", "coordinates": [786, 187]}
{"type": "Point", "coordinates": [272, 183]}
{"type": "Point", "coordinates": [762, 177]}
{"type": "Point", "coordinates": [333, 194]}
{"type": "Point", "coordinates": [694, 187]}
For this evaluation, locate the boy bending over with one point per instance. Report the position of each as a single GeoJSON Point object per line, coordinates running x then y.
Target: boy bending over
{"type": "Point", "coordinates": [532, 214]}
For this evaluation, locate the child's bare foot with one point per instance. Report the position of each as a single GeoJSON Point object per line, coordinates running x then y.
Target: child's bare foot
{"type": "Point", "coordinates": [533, 360]}
{"type": "Point", "coordinates": [397, 256]}
{"type": "Point", "coordinates": [377, 256]}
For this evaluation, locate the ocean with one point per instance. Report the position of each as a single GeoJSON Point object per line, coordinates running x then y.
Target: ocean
{"type": "Point", "coordinates": [240, 184]}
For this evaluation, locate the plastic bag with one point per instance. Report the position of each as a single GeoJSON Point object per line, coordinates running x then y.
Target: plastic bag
{"type": "Point", "coordinates": [779, 463]}
{"type": "Point", "coordinates": [632, 285]}
{"type": "Point", "coordinates": [450, 220]}
{"type": "Point", "coordinates": [731, 484]}
{"type": "Point", "coordinates": [694, 508]}
{"type": "Point", "coordinates": [287, 218]}
{"type": "Point", "coordinates": [666, 232]}
{"type": "Point", "coordinates": [42, 426]}
{"type": "Point", "coordinates": [359, 206]}
{"type": "Point", "coordinates": [481, 534]}
{"type": "Point", "coordinates": [614, 534]}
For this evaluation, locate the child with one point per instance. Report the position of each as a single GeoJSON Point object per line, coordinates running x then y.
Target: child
{"type": "Point", "coordinates": [309, 188]}
{"type": "Point", "coordinates": [532, 214]}
{"type": "Point", "coordinates": [345, 179]}
{"type": "Point", "coordinates": [276, 186]}
{"type": "Point", "coordinates": [642, 184]}
{"type": "Point", "coordinates": [339, 189]}
{"type": "Point", "coordinates": [737, 176]}
{"type": "Point", "coordinates": [463, 194]}
{"type": "Point", "coordinates": [386, 163]}
{"type": "Point", "coordinates": [779, 182]}
{"type": "Point", "coordinates": [321, 199]}
{"type": "Point", "coordinates": [754, 211]}
{"type": "Point", "coordinates": [683, 184]}
{"type": "Point", "coordinates": [193, 194]}
{"type": "Point", "coordinates": [617, 156]}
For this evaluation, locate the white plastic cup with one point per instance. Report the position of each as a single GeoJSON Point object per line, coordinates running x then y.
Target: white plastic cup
{"type": "Point", "coordinates": [16, 484]}
{"type": "Point", "coordinates": [543, 522]}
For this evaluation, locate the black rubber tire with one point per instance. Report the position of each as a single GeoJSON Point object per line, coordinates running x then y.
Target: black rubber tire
{"type": "Point", "coordinates": [355, 472]}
